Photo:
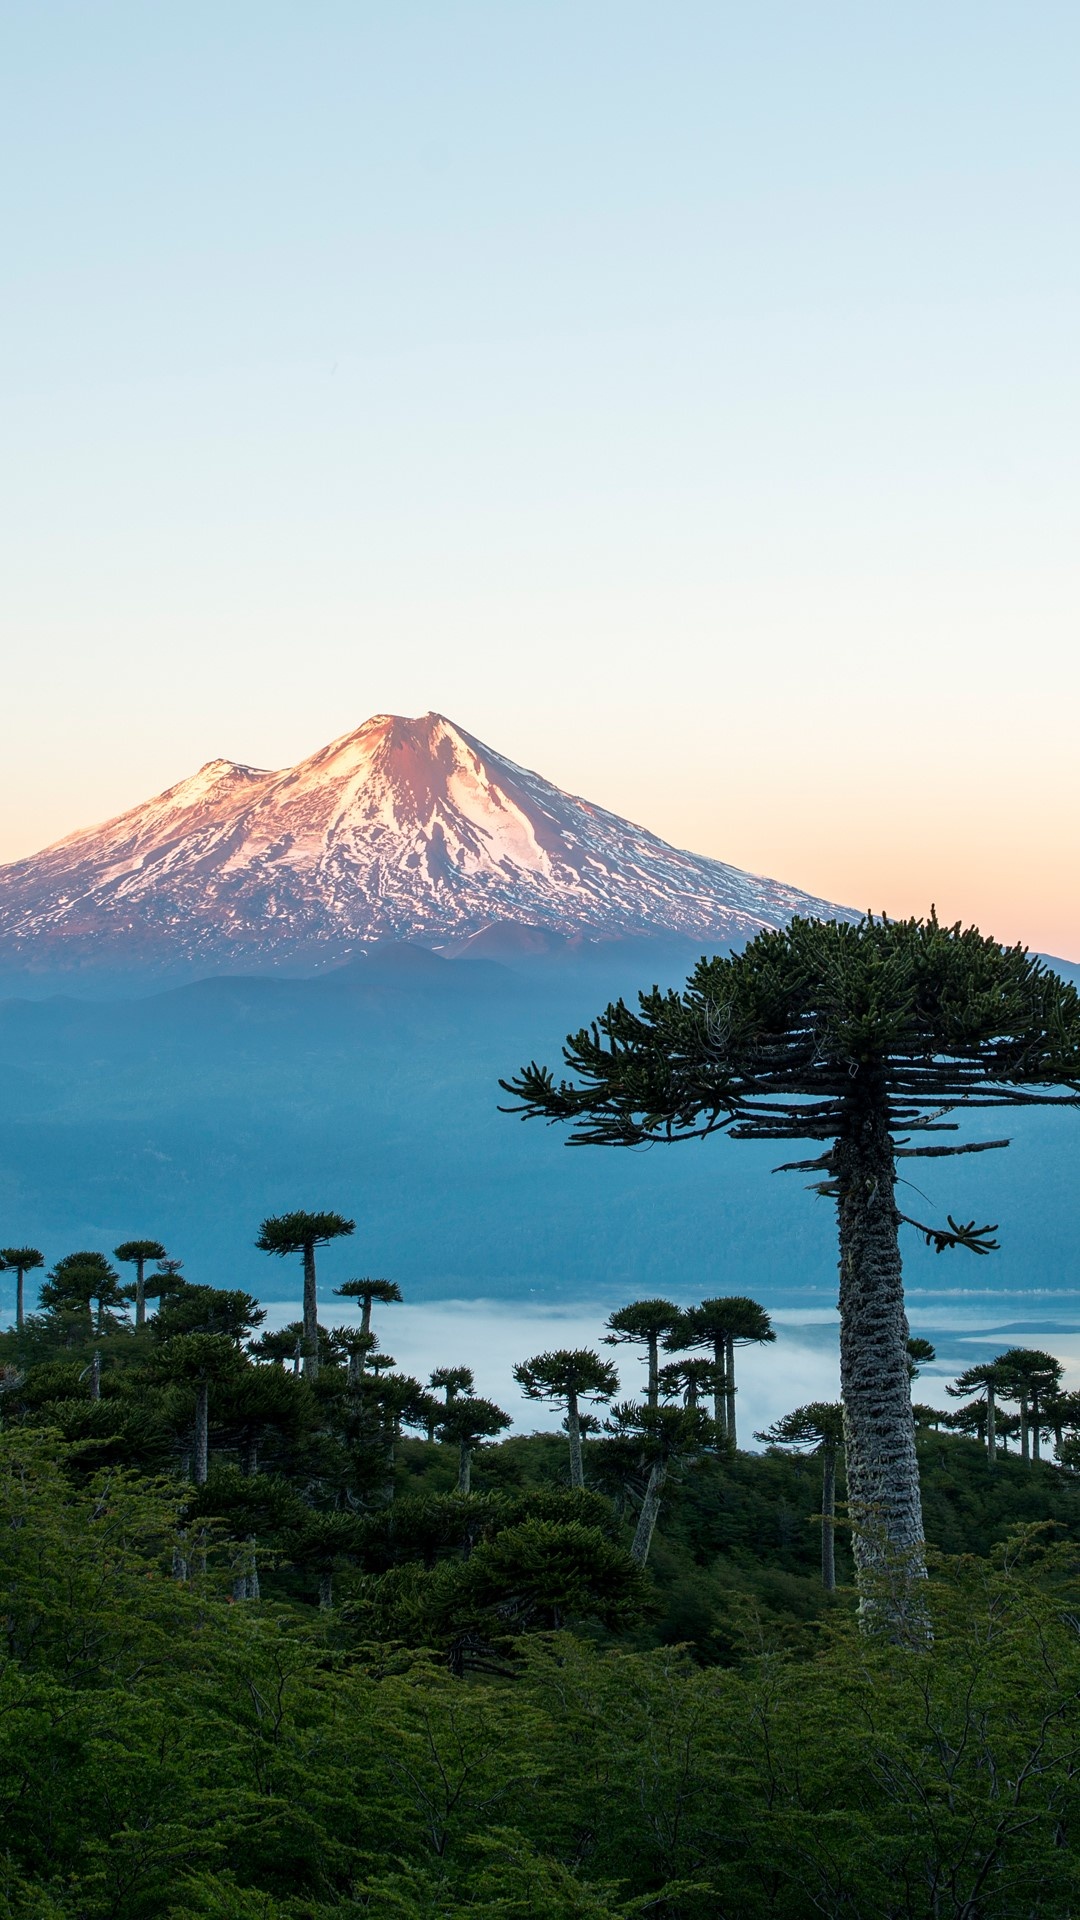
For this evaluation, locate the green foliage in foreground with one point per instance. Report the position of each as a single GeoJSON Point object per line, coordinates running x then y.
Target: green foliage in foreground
{"type": "Point", "coordinates": [166, 1752]}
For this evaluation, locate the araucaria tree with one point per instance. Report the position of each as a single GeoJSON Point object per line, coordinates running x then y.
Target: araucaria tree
{"type": "Point", "coordinates": [816, 1428]}
{"type": "Point", "coordinates": [865, 1038]}
{"type": "Point", "coordinates": [302, 1233]}
{"type": "Point", "coordinates": [1031, 1378]}
{"type": "Point", "coordinates": [20, 1261]}
{"type": "Point", "coordinates": [987, 1381]}
{"type": "Point", "coordinates": [200, 1360]}
{"type": "Point", "coordinates": [660, 1435]}
{"type": "Point", "coordinates": [137, 1253]}
{"type": "Point", "coordinates": [565, 1378]}
{"type": "Point", "coordinates": [644, 1324]}
{"type": "Point", "coordinates": [691, 1378]}
{"type": "Point", "coordinates": [451, 1381]}
{"type": "Point", "coordinates": [720, 1326]}
{"type": "Point", "coordinates": [78, 1282]}
{"type": "Point", "coordinates": [467, 1422]}
{"type": "Point", "coordinates": [366, 1291]}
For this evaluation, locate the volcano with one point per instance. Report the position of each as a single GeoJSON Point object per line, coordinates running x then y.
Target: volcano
{"type": "Point", "coordinates": [403, 830]}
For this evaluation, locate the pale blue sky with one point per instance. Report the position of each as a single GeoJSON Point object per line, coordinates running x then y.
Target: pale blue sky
{"type": "Point", "coordinates": [684, 398]}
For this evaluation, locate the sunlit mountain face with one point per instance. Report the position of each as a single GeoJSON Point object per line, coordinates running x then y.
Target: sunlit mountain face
{"type": "Point", "coordinates": [406, 829]}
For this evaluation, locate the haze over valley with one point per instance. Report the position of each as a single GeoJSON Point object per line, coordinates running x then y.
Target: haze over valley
{"type": "Point", "coordinates": [311, 982]}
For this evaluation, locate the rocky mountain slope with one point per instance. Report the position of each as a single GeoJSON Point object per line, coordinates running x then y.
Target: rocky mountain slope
{"type": "Point", "coordinates": [406, 829]}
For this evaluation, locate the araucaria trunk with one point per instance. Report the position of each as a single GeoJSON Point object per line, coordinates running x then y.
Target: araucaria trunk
{"type": "Point", "coordinates": [729, 1390]}
{"type": "Point", "coordinates": [311, 1316]}
{"type": "Point", "coordinates": [202, 1426]}
{"type": "Point", "coordinates": [140, 1292]}
{"type": "Point", "coordinates": [573, 1427]}
{"type": "Point", "coordinates": [719, 1398]}
{"type": "Point", "coordinates": [650, 1508]}
{"type": "Point", "coordinates": [464, 1471]}
{"type": "Point", "coordinates": [991, 1428]}
{"type": "Point", "coordinates": [882, 1466]}
{"type": "Point", "coordinates": [246, 1572]}
{"type": "Point", "coordinates": [828, 1518]}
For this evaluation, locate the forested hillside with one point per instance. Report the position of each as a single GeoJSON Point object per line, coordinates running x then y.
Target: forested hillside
{"type": "Point", "coordinates": [289, 1635]}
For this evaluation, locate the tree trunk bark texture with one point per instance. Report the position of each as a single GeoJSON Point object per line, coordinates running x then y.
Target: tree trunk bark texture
{"type": "Point", "coordinates": [991, 1428]}
{"type": "Point", "coordinates": [246, 1578]}
{"type": "Point", "coordinates": [311, 1317]}
{"type": "Point", "coordinates": [202, 1428]}
{"type": "Point", "coordinates": [652, 1392]}
{"type": "Point", "coordinates": [882, 1466]}
{"type": "Point", "coordinates": [729, 1390]}
{"type": "Point", "coordinates": [828, 1518]}
{"type": "Point", "coordinates": [650, 1510]}
{"type": "Point", "coordinates": [464, 1471]}
{"type": "Point", "coordinates": [326, 1591]}
{"type": "Point", "coordinates": [140, 1291]}
{"type": "Point", "coordinates": [573, 1427]}
{"type": "Point", "coordinates": [719, 1398]}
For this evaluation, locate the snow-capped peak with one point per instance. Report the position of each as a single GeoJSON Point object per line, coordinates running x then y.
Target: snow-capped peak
{"type": "Point", "coordinates": [407, 828]}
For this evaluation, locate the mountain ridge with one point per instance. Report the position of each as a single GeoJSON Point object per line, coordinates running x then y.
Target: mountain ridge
{"type": "Point", "coordinates": [403, 829]}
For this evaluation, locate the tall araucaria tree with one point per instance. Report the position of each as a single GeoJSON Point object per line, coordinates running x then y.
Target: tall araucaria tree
{"type": "Point", "coordinates": [367, 1291]}
{"type": "Point", "coordinates": [77, 1282]}
{"type": "Point", "coordinates": [467, 1421]}
{"type": "Point", "coordinates": [659, 1435]}
{"type": "Point", "coordinates": [20, 1261]}
{"type": "Point", "coordinates": [451, 1381]}
{"type": "Point", "coordinates": [865, 1038]}
{"type": "Point", "coordinates": [720, 1326]}
{"type": "Point", "coordinates": [1031, 1378]}
{"type": "Point", "coordinates": [817, 1428]}
{"type": "Point", "coordinates": [691, 1378]}
{"type": "Point", "coordinates": [643, 1324]}
{"type": "Point", "coordinates": [984, 1379]}
{"type": "Point", "coordinates": [136, 1253]}
{"type": "Point", "coordinates": [301, 1233]}
{"type": "Point", "coordinates": [565, 1378]}
{"type": "Point", "coordinates": [200, 1360]}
